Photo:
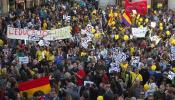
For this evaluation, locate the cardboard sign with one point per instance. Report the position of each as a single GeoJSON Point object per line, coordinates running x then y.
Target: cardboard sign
{"type": "Point", "coordinates": [24, 60]}
{"type": "Point", "coordinates": [139, 32]}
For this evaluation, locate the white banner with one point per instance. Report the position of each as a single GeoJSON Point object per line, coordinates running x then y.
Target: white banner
{"type": "Point", "coordinates": [57, 34]}
{"type": "Point", "coordinates": [139, 32]}
{"type": "Point", "coordinates": [36, 35]}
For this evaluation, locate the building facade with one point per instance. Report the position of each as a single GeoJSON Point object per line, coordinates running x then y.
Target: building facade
{"type": "Point", "coordinates": [10, 5]}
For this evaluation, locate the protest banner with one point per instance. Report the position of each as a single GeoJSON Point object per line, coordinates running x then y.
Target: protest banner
{"type": "Point", "coordinates": [139, 32]}
{"type": "Point", "coordinates": [36, 35]}
{"type": "Point", "coordinates": [24, 60]}
{"type": "Point", "coordinates": [25, 34]}
{"type": "Point", "coordinates": [57, 34]}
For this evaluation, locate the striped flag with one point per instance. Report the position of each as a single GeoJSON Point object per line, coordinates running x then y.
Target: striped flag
{"type": "Point", "coordinates": [32, 86]}
{"type": "Point", "coordinates": [126, 19]}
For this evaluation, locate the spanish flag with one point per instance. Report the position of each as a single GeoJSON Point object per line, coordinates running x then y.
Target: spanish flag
{"type": "Point", "coordinates": [126, 19]}
{"type": "Point", "coordinates": [32, 86]}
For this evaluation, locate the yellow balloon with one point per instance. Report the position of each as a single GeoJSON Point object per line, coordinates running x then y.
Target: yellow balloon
{"type": "Point", "coordinates": [1, 42]}
{"type": "Point", "coordinates": [174, 69]}
{"type": "Point", "coordinates": [172, 41]}
{"type": "Point", "coordinates": [97, 35]}
{"type": "Point", "coordinates": [125, 66]}
{"type": "Point", "coordinates": [146, 20]}
{"type": "Point", "coordinates": [153, 67]}
{"type": "Point", "coordinates": [168, 33]}
{"type": "Point", "coordinates": [141, 19]}
{"type": "Point", "coordinates": [93, 30]}
{"type": "Point", "coordinates": [161, 28]}
{"type": "Point", "coordinates": [161, 24]}
{"type": "Point", "coordinates": [148, 6]}
{"type": "Point", "coordinates": [146, 87]}
{"type": "Point", "coordinates": [155, 12]}
{"type": "Point", "coordinates": [116, 37]}
{"type": "Point", "coordinates": [126, 38]}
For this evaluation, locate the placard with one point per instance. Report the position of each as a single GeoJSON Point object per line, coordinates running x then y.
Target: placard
{"type": "Point", "coordinates": [156, 39]}
{"type": "Point", "coordinates": [139, 32]}
{"type": "Point", "coordinates": [24, 60]}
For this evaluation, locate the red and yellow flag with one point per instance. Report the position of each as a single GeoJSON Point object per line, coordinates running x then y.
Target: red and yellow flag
{"type": "Point", "coordinates": [32, 86]}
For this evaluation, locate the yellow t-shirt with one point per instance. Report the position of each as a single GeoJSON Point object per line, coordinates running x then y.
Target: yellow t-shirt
{"type": "Point", "coordinates": [132, 50]}
{"type": "Point", "coordinates": [44, 26]}
{"type": "Point", "coordinates": [136, 76]}
{"type": "Point", "coordinates": [40, 55]}
{"type": "Point", "coordinates": [47, 54]}
{"type": "Point", "coordinates": [51, 58]}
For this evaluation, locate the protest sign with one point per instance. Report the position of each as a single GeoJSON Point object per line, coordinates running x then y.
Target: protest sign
{"type": "Point", "coordinates": [24, 60]}
{"type": "Point", "coordinates": [156, 39]}
{"type": "Point", "coordinates": [120, 57]}
{"type": "Point", "coordinates": [43, 43]}
{"type": "Point", "coordinates": [172, 53]}
{"type": "Point", "coordinates": [139, 32]}
{"type": "Point", "coordinates": [114, 67]}
{"type": "Point", "coordinates": [35, 35]}
{"type": "Point", "coordinates": [90, 83]}
{"type": "Point", "coordinates": [153, 24]}
{"type": "Point", "coordinates": [135, 61]}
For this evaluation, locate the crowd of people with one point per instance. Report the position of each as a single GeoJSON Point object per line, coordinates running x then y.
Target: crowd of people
{"type": "Point", "coordinates": [111, 65]}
